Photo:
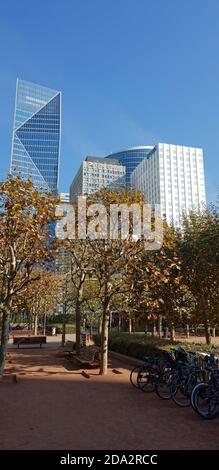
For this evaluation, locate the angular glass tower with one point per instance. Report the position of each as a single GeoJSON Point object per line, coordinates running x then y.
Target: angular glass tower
{"type": "Point", "coordinates": [36, 135]}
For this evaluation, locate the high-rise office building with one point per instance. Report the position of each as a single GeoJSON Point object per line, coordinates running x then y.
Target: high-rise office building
{"type": "Point", "coordinates": [63, 258]}
{"type": "Point", "coordinates": [130, 158]}
{"type": "Point", "coordinates": [173, 177]}
{"type": "Point", "coordinates": [96, 173]}
{"type": "Point", "coordinates": [64, 197]}
{"type": "Point", "coordinates": [36, 135]}
{"type": "Point", "coordinates": [64, 204]}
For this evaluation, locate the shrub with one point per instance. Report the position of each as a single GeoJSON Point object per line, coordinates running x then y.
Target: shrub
{"type": "Point", "coordinates": [140, 345]}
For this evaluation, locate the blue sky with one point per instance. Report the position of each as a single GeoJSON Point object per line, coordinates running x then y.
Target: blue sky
{"type": "Point", "coordinates": [132, 72]}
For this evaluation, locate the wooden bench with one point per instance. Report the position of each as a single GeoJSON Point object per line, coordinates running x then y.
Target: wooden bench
{"type": "Point", "coordinates": [89, 357]}
{"type": "Point", "coordinates": [29, 340]}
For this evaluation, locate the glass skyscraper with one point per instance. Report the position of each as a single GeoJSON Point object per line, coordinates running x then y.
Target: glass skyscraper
{"type": "Point", "coordinates": [130, 158]}
{"type": "Point", "coordinates": [36, 135]}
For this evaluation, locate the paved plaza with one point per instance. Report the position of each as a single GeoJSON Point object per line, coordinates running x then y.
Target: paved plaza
{"type": "Point", "coordinates": [53, 406]}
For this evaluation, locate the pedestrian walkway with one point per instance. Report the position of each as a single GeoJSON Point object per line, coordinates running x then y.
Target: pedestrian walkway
{"type": "Point", "coordinates": [54, 406]}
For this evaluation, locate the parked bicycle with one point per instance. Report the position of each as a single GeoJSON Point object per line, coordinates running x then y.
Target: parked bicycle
{"type": "Point", "coordinates": [205, 395]}
{"type": "Point", "coordinates": [186, 378]}
{"type": "Point", "coordinates": [145, 376]}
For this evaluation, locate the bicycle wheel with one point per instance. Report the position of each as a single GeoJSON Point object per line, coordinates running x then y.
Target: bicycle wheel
{"type": "Point", "coordinates": [146, 380]}
{"type": "Point", "coordinates": [192, 397]}
{"type": "Point", "coordinates": [134, 375]}
{"type": "Point", "coordinates": [181, 392]}
{"type": "Point", "coordinates": [206, 401]}
{"type": "Point", "coordinates": [162, 386]}
{"type": "Point", "coordinates": [194, 392]}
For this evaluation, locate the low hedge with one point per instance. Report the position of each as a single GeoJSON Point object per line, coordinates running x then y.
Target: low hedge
{"type": "Point", "coordinates": [140, 345]}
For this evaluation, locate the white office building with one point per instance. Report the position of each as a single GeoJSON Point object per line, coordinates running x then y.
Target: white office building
{"type": "Point", "coordinates": [173, 177]}
{"type": "Point", "coordinates": [62, 260]}
{"type": "Point", "coordinates": [96, 173]}
{"type": "Point", "coordinates": [64, 203]}
{"type": "Point", "coordinates": [64, 197]}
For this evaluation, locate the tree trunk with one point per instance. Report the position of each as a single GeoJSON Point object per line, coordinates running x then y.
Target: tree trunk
{"type": "Point", "coordinates": [206, 321]}
{"type": "Point", "coordinates": [78, 318]}
{"type": "Point", "coordinates": [63, 326]}
{"type": "Point", "coordinates": [110, 322]}
{"type": "Point", "coordinates": [187, 331]}
{"type": "Point", "coordinates": [35, 325]}
{"type": "Point", "coordinates": [78, 327]}
{"type": "Point", "coordinates": [44, 325]}
{"type": "Point", "coordinates": [104, 340]}
{"type": "Point", "coordinates": [172, 332]}
{"type": "Point", "coordinates": [4, 339]}
{"type": "Point", "coordinates": [213, 332]}
{"type": "Point", "coordinates": [207, 333]}
{"type": "Point", "coordinates": [119, 323]}
{"type": "Point", "coordinates": [160, 326]}
{"type": "Point", "coordinates": [154, 330]}
{"type": "Point", "coordinates": [130, 324]}
{"type": "Point", "coordinates": [166, 332]}
{"type": "Point", "coordinates": [100, 326]}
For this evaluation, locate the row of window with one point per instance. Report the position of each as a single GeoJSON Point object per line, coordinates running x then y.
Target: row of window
{"type": "Point", "coordinates": [37, 128]}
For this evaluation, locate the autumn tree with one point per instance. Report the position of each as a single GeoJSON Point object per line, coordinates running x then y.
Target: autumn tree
{"type": "Point", "coordinates": [65, 300]}
{"type": "Point", "coordinates": [200, 264]}
{"type": "Point", "coordinates": [25, 243]}
{"type": "Point", "coordinates": [91, 306]}
{"type": "Point", "coordinates": [155, 283]}
{"type": "Point", "coordinates": [41, 296]}
{"type": "Point", "coordinates": [111, 253]}
{"type": "Point", "coordinates": [80, 270]}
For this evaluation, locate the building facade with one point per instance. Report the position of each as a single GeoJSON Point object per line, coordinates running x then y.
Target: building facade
{"type": "Point", "coordinates": [130, 158]}
{"type": "Point", "coordinates": [36, 135]}
{"type": "Point", "coordinates": [96, 173]}
{"type": "Point", "coordinates": [64, 198]}
{"type": "Point", "coordinates": [64, 204]}
{"type": "Point", "coordinates": [173, 177]}
{"type": "Point", "coordinates": [63, 258]}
